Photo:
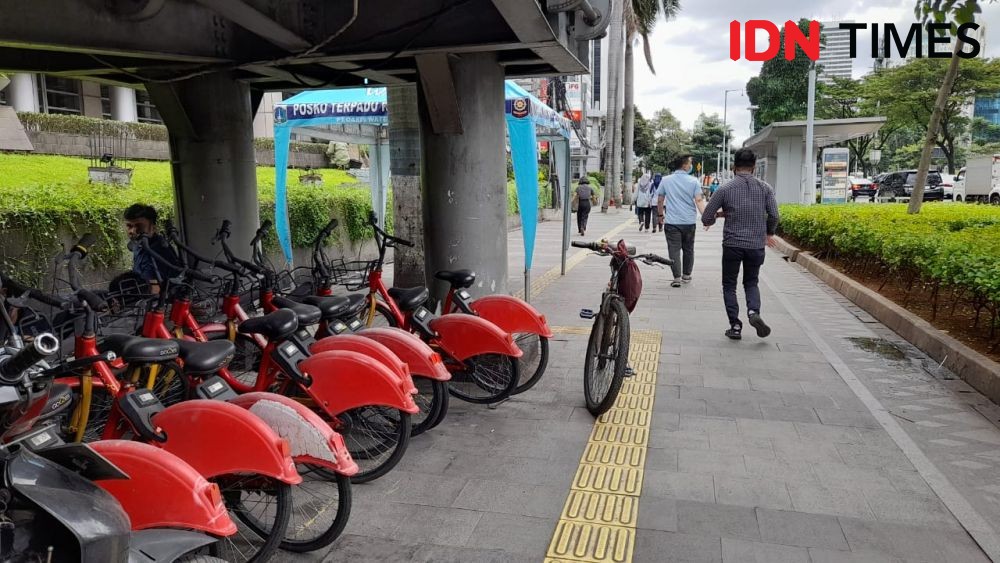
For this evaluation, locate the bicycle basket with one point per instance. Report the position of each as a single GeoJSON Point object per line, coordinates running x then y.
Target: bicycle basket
{"type": "Point", "coordinates": [352, 275]}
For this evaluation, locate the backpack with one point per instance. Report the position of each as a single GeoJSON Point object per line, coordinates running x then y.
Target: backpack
{"type": "Point", "coordinates": [629, 280]}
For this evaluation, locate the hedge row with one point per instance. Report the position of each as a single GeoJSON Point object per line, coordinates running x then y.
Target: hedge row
{"type": "Point", "coordinates": [948, 246]}
{"type": "Point", "coordinates": [82, 125]}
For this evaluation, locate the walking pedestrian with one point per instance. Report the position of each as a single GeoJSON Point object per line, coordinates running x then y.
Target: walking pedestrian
{"type": "Point", "coordinates": [751, 215]}
{"type": "Point", "coordinates": [585, 196]}
{"type": "Point", "coordinates": [653, 187]}
{"type": "Point", "coordinates": [643, 204]}
{"type": "Point", "coordinates": [677, 207]}
{"type": "Point", "coordinates": [643, 184]}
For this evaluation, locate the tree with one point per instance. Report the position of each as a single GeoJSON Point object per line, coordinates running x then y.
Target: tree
{"type": "Point", "coordinates": [781, 90]}
{"type": "Point", "coordinates": [613, 147]}
{"type": "Point", "coordinates": [706, 138]}
{"type": "Point", "coordinates": [643, 136]}
{"type": "Point", "coordinates": [961, 11]}
{"type": "Point", "coordinates": [669, 140]}
{"type": "Point", "coordinates": [640, 18]}
{"type": "Point", "coordinates": [984, 132]}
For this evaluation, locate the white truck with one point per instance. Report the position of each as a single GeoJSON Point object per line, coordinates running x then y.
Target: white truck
{"type": "Point", "coordinates": [979, 181]}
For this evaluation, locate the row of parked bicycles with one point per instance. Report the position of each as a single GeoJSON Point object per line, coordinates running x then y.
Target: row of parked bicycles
{"type": "Point", "coordinates": [230, 420]}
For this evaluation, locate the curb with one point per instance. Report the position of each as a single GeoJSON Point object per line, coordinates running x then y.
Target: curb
{"type": "Point", "coordinates": [974, 368]}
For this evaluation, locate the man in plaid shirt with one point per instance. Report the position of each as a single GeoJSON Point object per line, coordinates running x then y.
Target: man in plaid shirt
{"type": "Point", "coordinates": [751, 214]}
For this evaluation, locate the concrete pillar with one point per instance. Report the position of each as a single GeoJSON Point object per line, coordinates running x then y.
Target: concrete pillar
{"type": "Point", "coordinates": [22, 94]}
{"type": "Point", "coordinates": [210, 125]}
{"type": "Point", "coordinates": [465, 182]}
{"type": "Point", "coordinates": [404, 163]}
{"type": "Point", "coordinates": [90, 99]}
{"type": "Point", "coordinates": [788, 177]}
{"type": "Point", "coordinates": [123, 104]}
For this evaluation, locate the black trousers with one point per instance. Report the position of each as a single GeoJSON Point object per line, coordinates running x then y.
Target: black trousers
{"type": "Point", "coordinates": [582, 214]}
{"type": "Point", "coordinates": [751, 260]}
{"type": "Point", "coordinates": [680, 238]}
{"type": "Point", "coordinates": [645, 213]}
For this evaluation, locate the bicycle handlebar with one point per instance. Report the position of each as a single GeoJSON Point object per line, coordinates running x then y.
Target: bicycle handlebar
{"type": "Point", "coordinates": [184, 271]}
{"type": "Point", "coordinates": [373, 221]}
{"type": "Point", "coordinates": [264, 227]}
{"type": "Point", "coordinates": [605, 249]}
{"type": "Point", "coordinates": [19, 289]}
{"type": "Point", "coordinates": [43, 346]}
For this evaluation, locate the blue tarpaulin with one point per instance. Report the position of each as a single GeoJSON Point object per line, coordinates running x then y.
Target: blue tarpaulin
{"type": "Point", "coordinates": [524, 114]}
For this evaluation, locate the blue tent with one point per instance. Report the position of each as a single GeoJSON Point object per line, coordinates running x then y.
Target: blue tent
{"type": "Point", "coordinates": [524, 113]}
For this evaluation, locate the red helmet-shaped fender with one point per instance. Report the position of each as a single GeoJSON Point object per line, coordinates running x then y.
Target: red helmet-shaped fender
{"type": "Point", "coordinates": [421, 358]}
{"type": "Point", "coordinates": [368, 347]}
{"type": "Point", "coordinates": [512, 314]}
{"type": "Point", "coordinates": [343, 380]}
{"type": "Point", "coordinates": [464, 336]}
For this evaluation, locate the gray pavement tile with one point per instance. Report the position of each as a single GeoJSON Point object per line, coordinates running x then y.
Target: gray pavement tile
{"type": "Point", "coordinates": [839, 417]}
{"type": "Point", "coordinates": [805, 450]}
{"type": "Point", "coordinates": [873, 456]}
{"type": "Point", "coordinates": [413, 488]}
{"type": "Point", "coordinates": [843, 476]}
{"type": "Point", "coordinates": [739, 444]}
{"type": "Point", "coordinates": [908, 481]}
{"type": "Point", "coordinates": [752, 491]}
{"type": "Point", "coordinates": [663, 420]}
{"type": "Point", "coordinates": [678, 486]}
{"type": "Point", "coordinates": [773, 468]}
{"type": "Point", "coordinates": [517, 534]}
{"type": "Point", "coordinates": [726, 382]}
{"type": "Point", "coordinates": [438, 526]}
{"type": "Point", "coordinates": [710, 462]}
{"type": "Point", "coordinates": [687, 439]}
{"type": "Point", "coordinates": [790, 414]}
{"type": "Point", "coordinates": [835, 556]}
{"type": "Point", "coordinates": [823, 433]}
{"type": "Point", "coordinates": [911, 542]}
{"type": "Point", "coordinates": [711, 519]}
{"type": "Point", "coordinates": [768, 429]}
{"type": "Point", "coordinates": [807, 398]}
{"type": "Point", "coordinates": [684, 406]}
{"type": "Point", "coordinates": [742, 551]}
{"type": "Point", "coordinates": [512, 498]}
{"type": "Point", "coordinates": [818, 499]}
{"type": "Point", "coordinates": [656, 513]}
{"type": "Point", "coordinates": [705, 423]}
{"type": "Point", "coordinates": [381, 519]}
{"type": "Point", "coordinates": [652, 546]}
{"type": "Point", "coordinates": [759, 383]}
{"type": "Point", "coordinates": [800, 529]}
{"type": "Point", "coordinates": [909, 508]}
{"type": "Point", "coordinates": [682, 378]}
{"type": "Point", "coordinates": [664, 459]}
{"type": "Point", "coordinates": [350, 547]}
{"type": "Point", "coordinates": [450, 554]}
{"type": "Point", "coordinates": [732, 409]}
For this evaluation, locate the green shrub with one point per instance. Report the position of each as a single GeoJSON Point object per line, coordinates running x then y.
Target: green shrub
{"type": "Point", "coordinates": [267, 144]}
{"type": "Point", "coordinates": [80, 125]}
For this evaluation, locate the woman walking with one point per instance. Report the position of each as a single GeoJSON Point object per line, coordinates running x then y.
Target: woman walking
{"type": "Point", "coordinates": [640, 186]}
{"type": "Point", "coordinates": [584, 196]}
{"type": "Point", "coordinates": [655, 185]}
{"type": "Point", "coordinates": [643, 202]}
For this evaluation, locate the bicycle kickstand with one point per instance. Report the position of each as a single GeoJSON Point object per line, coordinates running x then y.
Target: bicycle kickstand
{"type": "Point", "coordinates": [629, 372]}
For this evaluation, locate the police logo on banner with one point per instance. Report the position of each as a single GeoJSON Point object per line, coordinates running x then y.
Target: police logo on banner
{"type": "Point", "coordinates": [520, 108]}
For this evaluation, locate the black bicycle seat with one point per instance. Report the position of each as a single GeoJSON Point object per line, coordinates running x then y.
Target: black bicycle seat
{"type": "Point", "coordinates": [273, 326]}
{"type": "Point", "coordinates": [409, 298]}
{"type": "Point", "coordinates": [136, 349]}
{"type": "Point", "coordinates": [458, 278]}
{"type": "Point", "coordinates": [202, 358]}
{"type": "Point", "coordinates": [307, 314]}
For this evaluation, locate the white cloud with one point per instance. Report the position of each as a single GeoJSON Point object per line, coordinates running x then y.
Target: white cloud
{"type": "Point", "coordinates": [691, 53]}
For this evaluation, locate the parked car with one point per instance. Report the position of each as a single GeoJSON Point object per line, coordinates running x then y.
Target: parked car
{"type": "Point", "coordinates": [900, 185]}
{"type": "Point", "coordinates": [862, 187]}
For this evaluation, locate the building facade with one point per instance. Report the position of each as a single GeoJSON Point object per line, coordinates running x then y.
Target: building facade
{"type": "Point", "coordinates": [835, 53]}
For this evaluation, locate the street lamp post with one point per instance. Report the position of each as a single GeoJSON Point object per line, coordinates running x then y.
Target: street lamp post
{"type": "Point", "coordinates": [725, 131]}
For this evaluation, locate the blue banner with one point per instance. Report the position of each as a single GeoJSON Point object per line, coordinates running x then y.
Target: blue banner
{"type": "Point", "coordinates": [523, 153]}
{"type": "Point", "coordinates": [281, 226]}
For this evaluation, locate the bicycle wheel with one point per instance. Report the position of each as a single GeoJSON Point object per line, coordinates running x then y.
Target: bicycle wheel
{"type": "Point", "coordinates": [484, 378]}
{"type": "Point", "coordinates": [246, 358]}
{"type": "Point", "coordinates": [534, 361]}
{"type": "Point", "coordinates": [607, 358]}
{"type": "Point", "coordinates": [432, 397]}
{"type": "Point", "coordinates": [261, 507]}
{"type": "Point", "coordinates": [376, 437]}
{"type": "Point", "coordinates": [383, 316]}
{"type": "Point", "coordinates": [172, 385]}
{"type": "Point", "coordinates": [321, 506]}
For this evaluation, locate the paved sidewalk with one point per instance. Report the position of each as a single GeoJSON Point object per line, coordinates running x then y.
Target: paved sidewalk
{"type": "Point", "coordinates": [830, 441]}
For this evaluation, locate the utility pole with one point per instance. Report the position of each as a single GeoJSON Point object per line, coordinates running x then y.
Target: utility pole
{"type": "Point", "coordinates": [725, 131]}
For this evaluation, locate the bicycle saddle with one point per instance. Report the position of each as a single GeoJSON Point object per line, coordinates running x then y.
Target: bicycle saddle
{"type": "Point", "coordinates": [457, 278]}
{"type": "Point", "coordinates": [273, 326]}
{"type": "Point", "coordinates": [136, 349]}
{"type": "Point", "coordinates": [409, 298]}
{"type": "Point", "coordinates": [307, 314]}
{"type": "Point", "coordinates": [203, 358]}
{"type": "Point", "coordinates": [335, 307]}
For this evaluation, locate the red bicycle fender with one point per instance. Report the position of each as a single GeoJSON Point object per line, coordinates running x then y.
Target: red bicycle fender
{"type": "Point", "coordinates": [512, 314]}
{"type": "Point", "coordinates": [421, 358]}
{"type": "Point", "coordinates": [311, 438]}
{"type": "Point", "coordinates": [218, 438]}
{"type": "Point", "coordinates": [343, 380]}
{"type": "Point", "coordinates": [464, 336]}
{"type": "Point", "coordinates": [162, 490]}
{"type": "Point", "coordinates": [368, 347]}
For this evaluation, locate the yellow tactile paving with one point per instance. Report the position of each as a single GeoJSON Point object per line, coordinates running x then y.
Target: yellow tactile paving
{"type": "Point", "coordinates": [598, 523]}
{"type": "Point", "coordinates": [539, 284]}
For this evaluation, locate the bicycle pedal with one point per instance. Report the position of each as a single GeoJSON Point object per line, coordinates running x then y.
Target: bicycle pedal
{"type": "Point", "coordinates": [629, 372]}
{"type": "Point", "coordinates": [587, 314]}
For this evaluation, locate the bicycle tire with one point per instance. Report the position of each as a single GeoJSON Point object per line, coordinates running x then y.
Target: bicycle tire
{"type": "Point", "coordinates": [531, 370]}
{"type": "Point", "coordinates": [443, 412]}
{"type": "Point", "coordinates": [269, 535]}
{"type": "Point", "coordinates": [376, 437]}
{"type": "Point", "coordinates": [246, 356]}
{"type": "Point", "coordinates": [198, 558]}
{"type": "Point", "coordinates": [172, 384]}
{"type": "Point", "coordinates": [383, 316]}
{"type": "Point", "coordinates": [431, 398]}
{"type": "Point", "coordinates": [485, 379]}
{"type": "Point", "coordinates": [312, 478]}
{"type": "Point", "coordinates": [611, 334]}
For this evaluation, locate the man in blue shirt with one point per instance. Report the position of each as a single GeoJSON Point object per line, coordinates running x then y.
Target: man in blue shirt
{"type": "Point", "coordinates": [680, 193]}
{"type": "Point", "coordinates": [141, 220]}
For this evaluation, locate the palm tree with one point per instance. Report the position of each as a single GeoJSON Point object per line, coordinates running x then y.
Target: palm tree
{"type": "Point", "coordinates": [640, 18]}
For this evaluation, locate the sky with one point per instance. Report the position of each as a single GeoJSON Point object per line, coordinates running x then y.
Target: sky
{"type": "Point", "coordinates": [691, 52]}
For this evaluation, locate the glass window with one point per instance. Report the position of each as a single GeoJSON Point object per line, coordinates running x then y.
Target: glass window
{"type": "Point", "coordinates": [105, 101]}
{"type": "Point", "coordinates": [145, 108]}
{"type": "Point", "coordinates": [60, 95]}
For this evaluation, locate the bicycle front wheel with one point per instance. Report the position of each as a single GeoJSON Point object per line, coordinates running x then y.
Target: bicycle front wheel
{"type": "Point", "coordinates": [607, 358]}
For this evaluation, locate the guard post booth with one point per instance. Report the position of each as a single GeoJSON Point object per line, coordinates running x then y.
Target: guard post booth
{"type": "Point", "coordinates": [781, 152]}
